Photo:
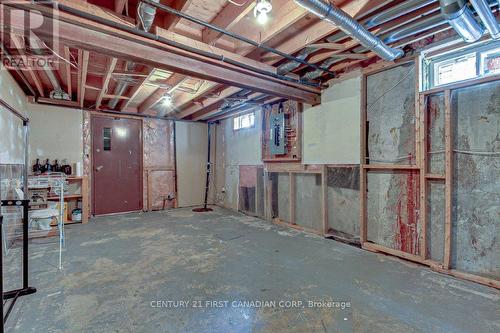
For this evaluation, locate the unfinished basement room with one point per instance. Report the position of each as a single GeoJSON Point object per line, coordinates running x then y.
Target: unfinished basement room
{"type": "Point", "coordinates": [250, 166]}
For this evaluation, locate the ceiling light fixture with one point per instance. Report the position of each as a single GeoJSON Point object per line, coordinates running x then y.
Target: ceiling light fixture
{"type": "Point", "coordinates": [167, 100]}
{"type": "Point", "coordinates": [262, 8]}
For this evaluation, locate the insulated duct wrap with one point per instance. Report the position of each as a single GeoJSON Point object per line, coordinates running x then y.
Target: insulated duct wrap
{"type": "Point", "coordinates": [351, 27]}
{"type": "Point", "coordinates": [486, 14]}
{"type": "Point", "coordinates": [460, 17]}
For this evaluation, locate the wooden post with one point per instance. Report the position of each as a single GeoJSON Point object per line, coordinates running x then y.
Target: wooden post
{"type": "Point", "coordinates": [291, 176]}
{"type": "Point", "coordinates": [423, 172]}
{"type": "Point", "coordinates": [362, 179]}
{"type": "Point", "coordinates": [85, 199]}
{"type": "Point", "coordinates": [448, 180]}
{"type": "Point", "coordinates": [324, 187]}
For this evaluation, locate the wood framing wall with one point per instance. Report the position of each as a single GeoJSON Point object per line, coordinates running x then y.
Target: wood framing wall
{"type": "Point", "coordinates": [434, 227]}
{"type": "Point", "coordinates": [409, 196]}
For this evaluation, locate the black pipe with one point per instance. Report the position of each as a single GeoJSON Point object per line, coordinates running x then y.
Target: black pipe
{"type": "Point", "coordinates": [233, 35]}
{"type": "Point", "coordinates": [142, 33]}
{"type": "Point", "coordinates": [209, 165]}
{"type": "Point", "coordinates": [13, 111]}
{"type": "Point", "coordinates": [139, 115]}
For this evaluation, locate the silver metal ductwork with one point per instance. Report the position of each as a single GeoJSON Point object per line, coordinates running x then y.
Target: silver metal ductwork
{"type": "Point", "coordinates": [486, 15]}
{"type": "Point", "coordinates": [350, 26]}
{"type": "Point", "coordinates": [291, 65]}
{"type": "Point", "coordinates": [390, 14]}
{"type": "Point", "coordinates": [460, 17]}
{"type": "Point", "coordinates": [309, 76]}
{"type": "Point", "coordinates": [146, 16]}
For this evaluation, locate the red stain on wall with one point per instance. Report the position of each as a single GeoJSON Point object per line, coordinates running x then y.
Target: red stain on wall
{"type": "Point", "coordinates": [407, 232]}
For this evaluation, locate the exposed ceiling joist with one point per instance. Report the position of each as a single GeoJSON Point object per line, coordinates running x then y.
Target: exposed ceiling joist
{"type": "Point", "coordinates": [83, 65]}
{"type": "Point", "coordinates": [227, 18]}
{"type": "Point", "coordinates": [89, 35]}
{"type": "Point", "coordinates": [137, 88]}
{"type": "Point", "coordinates": [107, 77]}
{"type": "Point", "coordinates": [173, 82]}
{"type": "Point", "coordinates": [67, 71]}
{"type": "Point", "coordinates": [315, 32]}
{"type": "Point", "coordinates": [19, 44]}
{"type": "Point", "coordinates": [171, 21]}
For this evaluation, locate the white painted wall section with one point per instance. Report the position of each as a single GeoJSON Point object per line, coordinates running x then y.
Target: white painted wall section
{"type": "Point", "coordinates": [331, 130]}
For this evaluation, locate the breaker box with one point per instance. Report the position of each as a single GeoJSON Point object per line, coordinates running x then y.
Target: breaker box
{"type": "Point", "coordinates": [277, 140]}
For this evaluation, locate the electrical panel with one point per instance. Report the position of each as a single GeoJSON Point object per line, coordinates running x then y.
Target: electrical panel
{"type": "Point", "coordinates": [277, 134]}
{"type": "Point", "coordinates": [282, 128]}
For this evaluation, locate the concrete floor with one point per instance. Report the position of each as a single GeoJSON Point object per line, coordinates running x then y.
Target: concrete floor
{"type": "Point", "coordinates": [117, 268]}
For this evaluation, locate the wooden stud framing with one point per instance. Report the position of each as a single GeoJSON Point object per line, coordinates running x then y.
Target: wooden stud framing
{"type": "Point", "coordinates": [291, 176]}
{"type": "Point", "coordinates": [363, 230]}
{"type": "Point", "coordinates": [448, 136]}
{"type": "Point", "coordinates": [422, 111]}
{"type": "Point", "coordinates": [324, 197]}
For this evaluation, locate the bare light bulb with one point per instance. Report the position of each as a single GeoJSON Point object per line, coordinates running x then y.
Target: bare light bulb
{"type": "Point", "coordinates": [167, 101]}
{"type": "Point", "coordinates": [262, 18]}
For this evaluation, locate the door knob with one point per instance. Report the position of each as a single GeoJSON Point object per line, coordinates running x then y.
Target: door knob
{"type": "Point", "coordinates": [99, 168]}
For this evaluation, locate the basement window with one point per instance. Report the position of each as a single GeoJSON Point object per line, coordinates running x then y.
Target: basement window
{"type": "Point", "coordinates": [244, 121]}
{"type": "Point", "coordinates": [465, 64]}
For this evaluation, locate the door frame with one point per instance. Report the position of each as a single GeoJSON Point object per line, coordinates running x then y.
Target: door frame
{"type": "Point", "coordinates": [94, 115]}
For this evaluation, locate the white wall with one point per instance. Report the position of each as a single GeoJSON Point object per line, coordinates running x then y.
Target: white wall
{"type": "Point", "coordinates": [332, 129]}
{"type": "Point", "coordinates": [191, 158]}
{"type": "Point", "coordinates": [11, 127]}
{"type": "Point", "coordinates": [55, 133]}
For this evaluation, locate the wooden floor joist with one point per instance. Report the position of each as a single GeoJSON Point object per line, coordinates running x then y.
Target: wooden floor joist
{"type": "Point", "coordinates": [83, 33]}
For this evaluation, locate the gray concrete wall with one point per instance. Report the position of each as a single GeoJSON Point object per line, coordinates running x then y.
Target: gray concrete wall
{"type": "Point", "coordinates": [391, 115]}
{"type": "Point", "coordinates": [476, 180]}
{"type": "Point", "coordinates": [393, 197]}
{"type": "Point", "coordinates": [343, 201]}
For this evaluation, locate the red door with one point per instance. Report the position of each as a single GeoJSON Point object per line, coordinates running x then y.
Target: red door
{"type": "Point", "coordinates": [117, 165]}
